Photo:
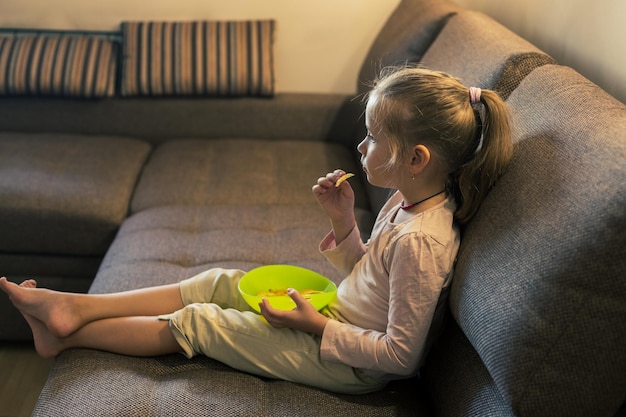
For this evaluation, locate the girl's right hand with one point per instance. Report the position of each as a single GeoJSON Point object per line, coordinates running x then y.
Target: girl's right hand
{"type": "Point", "coordinates": [337, 202]}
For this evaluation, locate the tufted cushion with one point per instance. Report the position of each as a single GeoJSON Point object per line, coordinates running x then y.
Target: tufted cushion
{"type": "Point", "coordinates": [70, 186]}
{"type": "Point", "coordinates": [229, 58]}
{"type": "Point", "coordinates": [477, 49]}
{"type": "Point", "coordinates": [168, 244]}
{"type": "Point", "coordinates": [539, 289]}
{"type": "Point", "coordinates": [239, 172]}
{"type": "Point", "coordinates": [57, 65]}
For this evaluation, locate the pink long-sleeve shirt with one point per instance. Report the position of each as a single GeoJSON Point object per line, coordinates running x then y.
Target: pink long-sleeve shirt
{"type": "Point", "coordinates": [385, 305]}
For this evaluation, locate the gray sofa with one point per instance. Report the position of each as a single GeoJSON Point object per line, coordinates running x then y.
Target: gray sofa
{"type": "Point", "coordinates": [147, 191]}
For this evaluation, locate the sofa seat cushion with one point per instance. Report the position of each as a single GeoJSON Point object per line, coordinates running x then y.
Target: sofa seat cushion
{"type": "Point", "coordinates": [88, 382]}
{"type": "Point", "coordinates": [168, 244]}
{"type": "Point", "coordinates": [64, 194]}
{"type": "Point", "coordinates": [240, 172]}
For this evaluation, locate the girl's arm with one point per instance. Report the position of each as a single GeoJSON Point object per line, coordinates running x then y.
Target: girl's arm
{"type": "Point", "coordinates": [419, 268]}
{"type": "Point", "coordinates": [343, 256]}
{"type": "Point", "coordinates": [337, 202]}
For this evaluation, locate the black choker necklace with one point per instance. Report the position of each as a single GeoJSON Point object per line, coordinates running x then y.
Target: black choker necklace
{"type": "Point", "coordinates": [410, 206]}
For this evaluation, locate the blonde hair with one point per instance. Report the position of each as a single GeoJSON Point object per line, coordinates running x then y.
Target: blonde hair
{"type": "Point", "coordinates": [420, 106]}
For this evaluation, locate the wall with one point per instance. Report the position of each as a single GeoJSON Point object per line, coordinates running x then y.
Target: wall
{"type": "Point", "coordinates": [320, 44]}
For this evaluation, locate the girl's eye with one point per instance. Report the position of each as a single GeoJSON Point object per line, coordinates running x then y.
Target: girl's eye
{"type": "Point", "coordinates": [370, 137]}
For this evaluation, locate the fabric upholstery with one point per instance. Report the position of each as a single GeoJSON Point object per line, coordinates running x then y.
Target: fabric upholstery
{"type": "Point", "coordinates": [457, 381]}
{"type": "Point", "coordinates": [168, 244]}
{"type": "Point", "coordinates": [475, 48]}
{"type": "Point", "coordinates": [74, 187]}
{"type": "Point", "coordinates": [406, 35]}
{"type": "Point", "coordinates": [517, 68]}
{"type": "Point", "coordinates": [225, 58]}
{"type": "Point", "coordinates": [173, 385]}
{"type": "Point", "coordinates": [58, 65]}
{"type": "Point", "coordinates": [239, 172]}
{"type": "Point", "coordinates": [539, 289]}
{"type": "Point", "coordinates": [39, 265]}
{"type": "Point", "coordinates": [286, 116]}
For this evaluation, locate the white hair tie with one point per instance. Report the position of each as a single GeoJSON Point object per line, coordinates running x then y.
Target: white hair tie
{"type": "Point", "coordinates": [474, 95]}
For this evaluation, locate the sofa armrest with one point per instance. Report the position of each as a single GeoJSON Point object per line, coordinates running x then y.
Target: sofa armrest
{"type": "Point", "coordinates": [285, 116]}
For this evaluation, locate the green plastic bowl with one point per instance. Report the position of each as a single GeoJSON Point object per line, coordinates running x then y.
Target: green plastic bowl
{"type": "Point", "coordinates": [276, 277]}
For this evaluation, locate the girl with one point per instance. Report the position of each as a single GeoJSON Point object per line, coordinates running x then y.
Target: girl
{"type": "Point", "coordinates": [439, 144]}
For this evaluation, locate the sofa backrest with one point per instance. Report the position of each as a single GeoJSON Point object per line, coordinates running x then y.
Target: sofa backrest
{"type": "Point", "coordinates": [483, 53]}
{"type": "Point", "coordinates": [406, 35]}
{"type": "Point", "coordinates": [539, 289]}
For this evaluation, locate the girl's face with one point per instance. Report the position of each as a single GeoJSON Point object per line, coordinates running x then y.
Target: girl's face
{"type": "Point", "coordinates": [375, 152]}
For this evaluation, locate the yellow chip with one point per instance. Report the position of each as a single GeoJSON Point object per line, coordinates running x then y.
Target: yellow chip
{"type": "Point", "coordinates": [343, 178]}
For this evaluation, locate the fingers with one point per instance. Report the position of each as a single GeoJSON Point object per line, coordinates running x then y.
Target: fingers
{"type": "Point", "coordinates": [328, 182]}
{"type": "Point", "coordinates": [296, 297]}
{"type": "Point", "coordinates": [343, 179]}
{"type": "Point", "coordinates": [273, 316]}
{"type": "Point", "coordinates": [279, 318]}
{"type": "Point", "coordinates": [304, 317]}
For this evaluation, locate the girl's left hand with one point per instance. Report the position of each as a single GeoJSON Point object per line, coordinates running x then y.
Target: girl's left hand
{"type": "Point", "coordinates": [304, 317]}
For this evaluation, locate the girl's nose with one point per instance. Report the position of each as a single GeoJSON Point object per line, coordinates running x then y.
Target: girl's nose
{"type": "Point", "coordinates": [361, 147]}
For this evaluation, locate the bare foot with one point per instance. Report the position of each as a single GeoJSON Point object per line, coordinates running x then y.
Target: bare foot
{"type": "Point", "coordinates": [46, 344]}
{"type": "Point", "coordinates": [29, 283]}
{"type": "Point", "coordinates": [54, 310]}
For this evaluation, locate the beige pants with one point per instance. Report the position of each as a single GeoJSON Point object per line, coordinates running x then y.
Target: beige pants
{"type": "Point", "coordinates": [217, 323]}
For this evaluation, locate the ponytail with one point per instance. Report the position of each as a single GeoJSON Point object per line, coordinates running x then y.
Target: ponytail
{"type": "Point", "coordinates": [485, 157]}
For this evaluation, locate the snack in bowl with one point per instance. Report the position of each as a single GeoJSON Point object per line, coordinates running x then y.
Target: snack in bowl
{"type": "Point", "coordinates": [283, 291]}
{"type": "Point", "coordinates": [343, 178]}
{"type": "Point", "coordinates": [272, 281]}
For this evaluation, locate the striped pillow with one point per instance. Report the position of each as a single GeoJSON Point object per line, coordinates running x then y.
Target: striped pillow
{"type": "Point", "coordinates": [57, 65]}
{"type": "Point", "coordinates": [220, 58]}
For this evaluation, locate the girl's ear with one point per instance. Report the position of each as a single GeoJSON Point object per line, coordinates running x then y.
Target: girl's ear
{"type": "Point", "coordinates": [419, 159]}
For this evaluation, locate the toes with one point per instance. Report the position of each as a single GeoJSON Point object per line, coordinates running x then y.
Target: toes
{"type": "Point", "coordinates": [6, 284]}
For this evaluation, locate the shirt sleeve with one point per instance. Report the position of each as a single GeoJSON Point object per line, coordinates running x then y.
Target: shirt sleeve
{"type": "Point", "coordinates": [414, 289]}
{"type": "Point", "coordinates": [345, 255]}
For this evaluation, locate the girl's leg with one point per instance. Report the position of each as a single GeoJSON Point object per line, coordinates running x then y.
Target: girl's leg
{"type": "Point", "coordinates": [133, 336]}
{"type": "Point", "coordinates": [64, 313]}
{"type": "Point", "coordinates": [246, 342]}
